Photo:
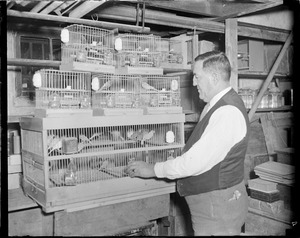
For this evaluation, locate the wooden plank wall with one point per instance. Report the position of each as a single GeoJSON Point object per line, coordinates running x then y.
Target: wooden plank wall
{"type": "Point", "coordinates": [111, 219]}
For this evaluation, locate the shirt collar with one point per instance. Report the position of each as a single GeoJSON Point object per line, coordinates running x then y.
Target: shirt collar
{"type": "Point", "coordinates": [217, 97]}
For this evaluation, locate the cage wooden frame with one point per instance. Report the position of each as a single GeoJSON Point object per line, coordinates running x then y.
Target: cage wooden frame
{"type": "Point", "coordinates": [113, 183]}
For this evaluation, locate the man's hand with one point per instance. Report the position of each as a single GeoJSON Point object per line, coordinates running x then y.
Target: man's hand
{"type": "Point", "coordinates": [140, 169]}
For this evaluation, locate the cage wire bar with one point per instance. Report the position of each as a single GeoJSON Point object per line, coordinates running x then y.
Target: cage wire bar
{"type": "Point", "coordinates": [59, 89]}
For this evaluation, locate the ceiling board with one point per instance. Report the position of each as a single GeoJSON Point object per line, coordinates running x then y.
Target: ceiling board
{"type": "Point", "coordinates": [85, 8]}
{"type": "Point", "coordinates": [40, 6]}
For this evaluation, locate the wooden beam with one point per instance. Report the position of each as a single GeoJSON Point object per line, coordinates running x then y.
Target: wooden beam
{"type": "Point", "coordinates": [270, 76]}
{"type": "Point", "coordinates": [51, 7]}
{"type": "Point", "coordinates": [62, 7]}
{"type": "Point", "coordinates": [73, 4]}
{"type": "Point", "coordinates": [32, 62]}
{"type": "Point", "coordinates": [10, 4]}
{"type": "Point", "coordinates": [231, 50]}
{"type": "Point", "coordinates": [71, 20]}
{"type": "Point", "coordinates": [256, 8]}
{"type": "Point", "coordinates": [23, 3]}
{"type": "Point", "coordinates": [40, 6]}
{"type": "Point", "coordinates": [167, 19]}
{"type": "Point", "coordinates": [85, 8]}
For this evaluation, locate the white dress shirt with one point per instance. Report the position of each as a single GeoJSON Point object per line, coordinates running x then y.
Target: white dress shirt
{"type": "Point", "coordinates": [226, 127]}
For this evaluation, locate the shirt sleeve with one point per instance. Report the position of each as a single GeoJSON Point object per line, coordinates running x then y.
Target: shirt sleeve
{"type": "Point", "coordinates": [226, 127]}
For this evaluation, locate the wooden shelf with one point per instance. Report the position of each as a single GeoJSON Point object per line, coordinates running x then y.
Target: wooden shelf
{"type": "Point", "coordinates": [255, 74]}
{"type": "Point", "coordinates": [17, 200]}
{"type": "Point", "coordinates": [278, 109]}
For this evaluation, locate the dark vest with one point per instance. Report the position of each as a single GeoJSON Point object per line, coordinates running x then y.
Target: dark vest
{"type": "Point", "coordinates": [229, 171]}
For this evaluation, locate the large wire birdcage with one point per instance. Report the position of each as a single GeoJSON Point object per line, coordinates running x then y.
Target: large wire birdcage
{"type": "Point", "coordinates": [65, 158]}
{"type": "Point", "coordinates": [115, 91]}
{"type": "Point", "coordinates": [160, 91]}
{"type": "Point", "coordinates": [137, 50]}
{"type": "Point", "coordinates": [57, 89]}
{"type": "Point", "coordinates": [171, 52]}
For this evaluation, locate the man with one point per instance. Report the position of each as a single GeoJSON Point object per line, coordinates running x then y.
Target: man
{"type": "Point", "coordinates": [210, 170]}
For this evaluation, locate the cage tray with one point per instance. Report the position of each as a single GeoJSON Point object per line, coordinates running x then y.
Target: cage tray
{"type": "Point", "coordinates": [86, 176]}
{"type": "Point", "coordinates": [88, 67]}
{"type": "Point", "coordinates": [47, 112]}
{"type": "Point", "coordinates": [162, 110]}
{"type": "Point", "coordinates": [117, 111]}
{"type": "Point", "coordinates": [139, 70]}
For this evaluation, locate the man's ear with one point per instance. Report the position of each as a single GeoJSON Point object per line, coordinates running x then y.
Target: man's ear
{"type": "Point", "coordinates": [214, 78]}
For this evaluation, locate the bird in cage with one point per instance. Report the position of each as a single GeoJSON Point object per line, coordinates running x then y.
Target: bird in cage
{"type": "Point", "coordinates": [116, 135]}
{"type": "Point", "coordinates": [147, 136]}
{"type": "Point", "coordinates": [53, 143]}
{"type": "Point", "coordinates": [147, 86]}
{"type": "Point", "coordinates": [141, 135]}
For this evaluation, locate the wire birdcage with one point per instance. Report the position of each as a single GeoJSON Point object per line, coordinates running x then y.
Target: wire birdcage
{"type": "Point", "coordinates": [160, 91]}
{"type": "Point", "coordinates": [171, 52]}
{"type": "Point", "coordinates": [57, 89]}
{"type": "Point", "coordinates": [115, 91]}
{"type": "Point", "coordinates": [88, 36]}
{"type": "Point", "coordinates": [137, 50]}
{"type": "Point", "coordinates": [66, 161]}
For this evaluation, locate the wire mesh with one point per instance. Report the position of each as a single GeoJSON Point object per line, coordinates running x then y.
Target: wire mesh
{"type": "Point", "coordinates": [105, 140]}
{"type": "Point", "coordinates": [138, 59]}
{"type": "Point", "coordinates": [139, 42]}
{"type": "Point", "coordinates": [82, 170]}
{"type": "Point", "coordinates": [63, 89]}
{"type": "Point", "coordinates": [91, 54]}
{"type": "Point", "coordinates": [171, 51]}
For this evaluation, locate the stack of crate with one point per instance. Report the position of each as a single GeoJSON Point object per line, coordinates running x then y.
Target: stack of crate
{"type": "Point", "coordinates": [89, 125]}
{"type": "Point", "coordinates": [14, 168]}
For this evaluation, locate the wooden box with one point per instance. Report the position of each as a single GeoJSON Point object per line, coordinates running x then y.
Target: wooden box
{"type": "Point", "coordinates": [251, 55]}
{"type": "Point", "coordinates": [96, 172]}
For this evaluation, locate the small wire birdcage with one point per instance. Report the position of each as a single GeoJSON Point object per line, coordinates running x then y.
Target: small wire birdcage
{"type": "Point", "coordinates": [87, 36]}
{"type": "Point", "coordinates": [87, 44]}
{"type": "Point", "coordinates": [137, 50]}
{"type": "Point", "coordinates": [160, 91]}
{"type": "Point", "coordinates": [57, 89]}
{"type": "Point", "coordinates": [171, 52]}
{"type": "Point", "coordinates": [115, 91]}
